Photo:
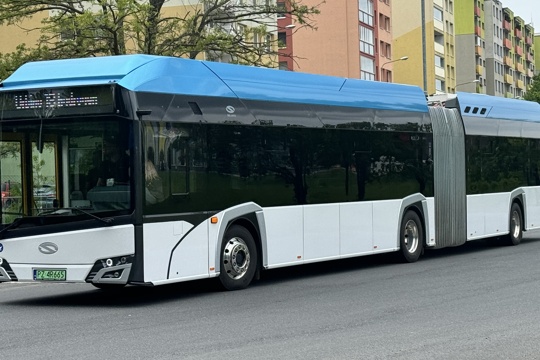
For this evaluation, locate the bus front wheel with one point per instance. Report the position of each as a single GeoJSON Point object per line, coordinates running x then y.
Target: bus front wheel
{"type": "Point", "coordinates": [238, 258]}
{"type": "Point", "coordinates": [411, 238]}
{"type": "Point", "coordinates": [516, 226]}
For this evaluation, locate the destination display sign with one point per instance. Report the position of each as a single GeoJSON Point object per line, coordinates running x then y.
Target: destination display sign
{"type": "Point", "coordinates": [48, 103]}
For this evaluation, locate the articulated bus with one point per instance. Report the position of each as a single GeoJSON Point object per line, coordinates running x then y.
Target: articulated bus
{"type": "Point", "coordinates": [148, 170]}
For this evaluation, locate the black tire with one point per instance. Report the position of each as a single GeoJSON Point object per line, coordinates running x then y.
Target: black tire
{"type": "Point", "coordinates": [411, 237]}
{"type": "Point", "coordinates": [238, 259]}
{"type": "Point", "coordinates": [516, 226]}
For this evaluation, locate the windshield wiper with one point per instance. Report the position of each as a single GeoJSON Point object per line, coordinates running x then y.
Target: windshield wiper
{"type": "Point", "coordinates": [35, 219]}
{"type": "Point", "coordinates": [107, 221]}
{"type": "Point", "coordinates": [18, 221]}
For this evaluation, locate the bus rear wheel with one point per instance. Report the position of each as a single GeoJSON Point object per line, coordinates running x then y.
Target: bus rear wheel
{"type": "Point", "coordinates": [411, 238]}
{"type": "Point", "coordinates": [516, 225]}
{"type": "Point", "coordinates": [238, 258]}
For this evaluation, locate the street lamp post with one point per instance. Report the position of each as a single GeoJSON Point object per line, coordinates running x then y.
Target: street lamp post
{"type": "Point", "coordinates": [403, 58]}
{"type": "Point", "coordinates": [476, 81]}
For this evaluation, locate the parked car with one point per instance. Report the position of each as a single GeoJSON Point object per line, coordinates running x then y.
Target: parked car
{"type": "Point", "coordinates": [44, 196]}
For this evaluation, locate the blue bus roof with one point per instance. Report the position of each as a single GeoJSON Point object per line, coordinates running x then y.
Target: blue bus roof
{"type": "Point", "coordinates": [494, 107]}
{"type": "Point", "coordinates": [149, 73]}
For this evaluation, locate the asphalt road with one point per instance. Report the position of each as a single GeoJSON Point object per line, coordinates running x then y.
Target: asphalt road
{"type": "Point", "coordinates": [478, 301]}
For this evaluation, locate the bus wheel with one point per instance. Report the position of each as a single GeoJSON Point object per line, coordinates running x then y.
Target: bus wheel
{"type": "Point", "coordinates": [516, 226]}
{"type": "Point", "coordinates": [411, 237]}
{"type": "Point", "coordinates": [238, 258]}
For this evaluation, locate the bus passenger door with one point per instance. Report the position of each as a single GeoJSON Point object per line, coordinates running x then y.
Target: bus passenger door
{"type": "Point", "coordinates": [28, 176]}
{"type": "Point", "coordinates": [11, 180]}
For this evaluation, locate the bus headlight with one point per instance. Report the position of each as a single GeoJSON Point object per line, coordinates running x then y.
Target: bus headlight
{"type": "Point", "coordinates": [111, 268]}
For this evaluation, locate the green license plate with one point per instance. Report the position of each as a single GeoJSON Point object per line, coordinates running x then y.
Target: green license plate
{"type": "Point", "coordinates": [49, 275]}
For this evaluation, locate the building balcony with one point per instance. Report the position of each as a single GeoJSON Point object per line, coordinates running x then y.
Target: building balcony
{"type": "Point", "coordinates": [439, 71]}
{"type": "Point", "coordinates": [479, 70]}
{"type": "Point", "coordinates": [478, 50]}
{"type": "Point", "coordinates": [530, 73]}
{"type": "Point", "coordinates": [518, 33]}
{"type": "Point", "coordinates": [478, 31]}
{"type": "Point", "coordinates": [508, 61]}
{"type": "Point", "coordinates": [508, 79]}
{"type": "Point", "coordinates": [438, 25]}
{"type": "Point", "coordinates": [507, 43]}
{"type": "Point", "coordinates": [439, 2]}
{"type": "Point", "coordinates": [519, 67]}
{"type": "Point", "coordinates": [506, 25]}
{"type": "Point", "coordinates": [477, 11]}
{"type": "Point", "coordinates": [530, 57]}
{"type": "Point", "coordinates": [520, 84]}
{"type": "Point", "coordinates": [529, 40]}
{"type": "Point", "coordinates": [519, 50]}
{"type": "Point", "coordinates": [439, 48]}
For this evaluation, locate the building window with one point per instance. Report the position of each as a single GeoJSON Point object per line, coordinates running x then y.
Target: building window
{"type": "Point", "coordinates": [384, 22]}
{"type": "Point", "coordinates": [282, 10]}
{"type": "Point", "coordinates": [365, 11]}
{"type": "Point", "coordinates": [450, 28]}
{"type": "Point", "coordinates": [388, 76]}
{"type": "Point", "coordinates": [385, 49]}
{"type": "Point", "coordinates": [439, 85]}
{"type": "Point", "coordinates": [437, 14]}
{"type": "Point", "coordinates": [439, 61]}
{"type": "Point", "coordinates": [367, 68]}
{"type": "Point", "coordinates": [268, 42]}
{"type": "Point", "coordinates": [366, 41]}
{"type": "Point", "coordinates": [282, 39]}
{"type": "Point", "coordinates": [283, 65]}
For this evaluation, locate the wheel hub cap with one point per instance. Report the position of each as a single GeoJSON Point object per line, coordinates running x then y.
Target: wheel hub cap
{"type": "Point", "coordinates": [411, 236]}
{"type": "Point", "coordinates": [516, 224]}
{"type": "Point", "coordinates": [236, 258]}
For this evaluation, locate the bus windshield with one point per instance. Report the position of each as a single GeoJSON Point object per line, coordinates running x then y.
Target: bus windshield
{"type": "Point", "coordinates": [53, 164]}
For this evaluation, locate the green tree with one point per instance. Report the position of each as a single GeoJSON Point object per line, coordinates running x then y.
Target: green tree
{"type": "Point", "coordinates": [11, 61]}
{"type": "Point", "coordinates": [533, 92]}
{"type": "Point", "coordinates": [236, 31]}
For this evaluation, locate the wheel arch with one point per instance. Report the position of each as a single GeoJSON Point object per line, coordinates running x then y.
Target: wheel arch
{"type": "Point", "coordinates": [244, 215]}
{"type": "Point", "coordinates": [418, 204]}
{"type": "Point", "coordinates": [250, 223]}
{"type": "Point", "coordinates": [518, 197]}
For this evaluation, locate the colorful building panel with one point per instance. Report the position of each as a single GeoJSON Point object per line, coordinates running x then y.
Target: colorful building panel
{"type": "Point", "coordinates": [424, 31]}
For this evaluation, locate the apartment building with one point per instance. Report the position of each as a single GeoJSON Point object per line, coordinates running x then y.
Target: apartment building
{"type": "Point", "coordinates": [424, 32]}
{"type": "Point", "coordinates": [529, 55]}
{"type": "Point", "coordinates": [495, 49]}
{"type": "Point", "coordinates": [353, 39]}
{"type": "Point", "coordinates": [13, 35]}
{"type": "Point", "coordinates": [536, 49]}
{"type": "Point", "coordinates": [493, 45]}
{"type": "Point", "coordinates": [470, 43]}
{"type": "Point", "coordinates": [285, 30]}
